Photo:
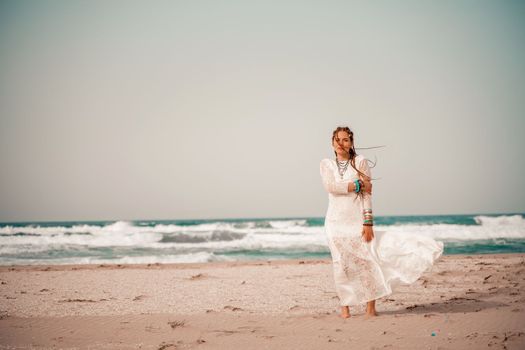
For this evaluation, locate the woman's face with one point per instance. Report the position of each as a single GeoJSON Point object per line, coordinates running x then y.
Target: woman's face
{"type": "Point", "coordinates": [342, 144]}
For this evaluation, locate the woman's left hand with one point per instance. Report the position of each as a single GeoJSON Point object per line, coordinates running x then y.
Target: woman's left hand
{"type": "Point", "coordinates": [368, 233]}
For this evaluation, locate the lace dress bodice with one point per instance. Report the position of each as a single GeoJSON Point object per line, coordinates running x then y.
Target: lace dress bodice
{"type": "Point", "coordinates": [345, 208]}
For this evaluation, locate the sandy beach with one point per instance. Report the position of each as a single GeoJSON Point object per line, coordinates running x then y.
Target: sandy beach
{"type": "Point", "coordinates": [464, 302]}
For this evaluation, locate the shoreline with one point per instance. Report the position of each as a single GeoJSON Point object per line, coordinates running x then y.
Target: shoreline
{"type": "Point", "coordinates": [210, 264]}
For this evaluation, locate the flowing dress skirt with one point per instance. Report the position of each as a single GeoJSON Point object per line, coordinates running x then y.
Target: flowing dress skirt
{"type": "Point", "coordinates": [365, 271]}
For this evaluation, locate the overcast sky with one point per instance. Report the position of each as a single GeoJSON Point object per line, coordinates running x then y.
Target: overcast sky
{"type": "Point", "coordinates": [123, 110]}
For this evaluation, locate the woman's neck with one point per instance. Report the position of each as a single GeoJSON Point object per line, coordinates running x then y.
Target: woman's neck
{"type": "Point", "coordinates": [341, 159]}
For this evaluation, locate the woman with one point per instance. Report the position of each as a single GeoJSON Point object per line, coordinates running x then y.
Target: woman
{"type": "Point", "coordinates": [367, 265]}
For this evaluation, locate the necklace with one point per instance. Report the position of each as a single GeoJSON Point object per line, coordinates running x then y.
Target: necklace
{"type": "Point", "coordinates": [342, 166]}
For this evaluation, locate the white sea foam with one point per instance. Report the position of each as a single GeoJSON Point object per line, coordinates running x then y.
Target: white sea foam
{"type": "Point", "coordinates": [118, 226]}
{"type": "Point", "coordinates": [275, 241]}
{"type": "Point", "coordinates": [283, 224]}
{"type": "Point", "coordinates": [150, 259]}
{"type": "Point", "coordinates": [504, 220]}
{"type": "Point", "coordinates": [96, 239]}
{"type": "Point", "coordinates": [123, 238]}
{"type": "Point", "coordinates": [446, 232]}
{"type": "Point", "coordinates": [128, 227]}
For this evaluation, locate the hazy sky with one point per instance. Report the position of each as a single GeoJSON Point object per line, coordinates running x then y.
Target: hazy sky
{"type": "Point", "coordinates": [222, 109]}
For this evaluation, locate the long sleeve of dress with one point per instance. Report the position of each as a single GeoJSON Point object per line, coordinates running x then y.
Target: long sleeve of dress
{"type": "Point", "coordinates": [329, 182]}
{"type": "Point", "coordinates": [367, 198]}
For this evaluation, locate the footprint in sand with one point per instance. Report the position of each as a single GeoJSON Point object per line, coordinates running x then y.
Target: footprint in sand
{"type": "Point", "coordinates": [175, 324]}
{"type": "Point", "coordinates": [224, 332]}
{"type": "Point", "coordinates": [167, 346]}
{"type": "Point", "coordinates": [251, 329]}
{"type": "Point", "coordinates": [233, 308]}
{"type": "Point", "coordinates": [80, 300]}
{"type": "Point", "coordinates": [198, 276]}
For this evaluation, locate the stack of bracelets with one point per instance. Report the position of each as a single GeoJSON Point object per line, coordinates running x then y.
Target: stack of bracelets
{"type": "Point", "coordinates": [368, 217]}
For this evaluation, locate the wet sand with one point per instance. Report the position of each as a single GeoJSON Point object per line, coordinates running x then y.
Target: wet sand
{"type": "Point", "coordinates": [464, 302]}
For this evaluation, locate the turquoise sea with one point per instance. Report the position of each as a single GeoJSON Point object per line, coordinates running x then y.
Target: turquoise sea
{"type": "Point", "coordinates": [180, 241]}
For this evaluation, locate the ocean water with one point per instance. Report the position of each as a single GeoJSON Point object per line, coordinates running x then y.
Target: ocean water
{"type": "Point", "coordinates": [183, 241]}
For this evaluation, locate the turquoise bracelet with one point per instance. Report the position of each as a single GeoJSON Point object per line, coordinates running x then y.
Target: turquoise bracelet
{"type": "Point", "coordinates": [357, 186]}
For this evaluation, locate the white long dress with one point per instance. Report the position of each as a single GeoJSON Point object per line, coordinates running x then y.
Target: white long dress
{"type": "Point", "coordinates": [365, 271]}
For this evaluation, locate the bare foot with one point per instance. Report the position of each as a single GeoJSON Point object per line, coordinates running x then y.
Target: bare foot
{"type": "Point", "coordinates": [370, 313]}
{"type": "Point", "coordinates": [371, 309]}
{"type": "Point", "coordinates": [345, 312]}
